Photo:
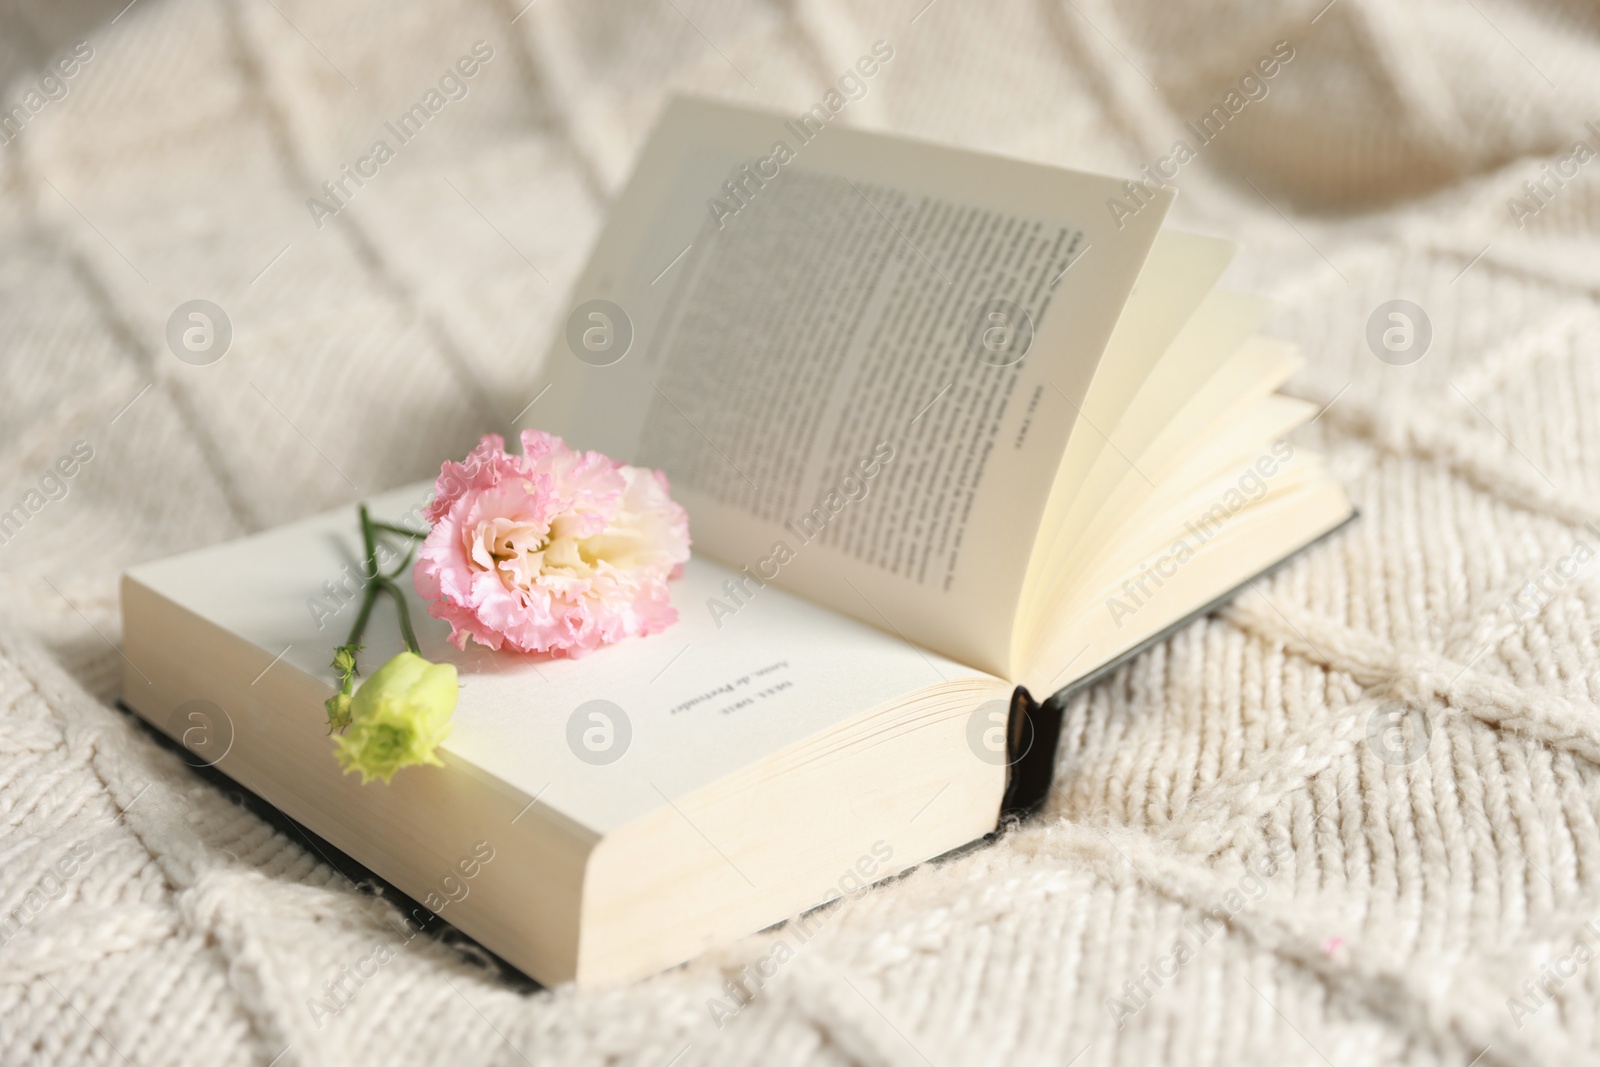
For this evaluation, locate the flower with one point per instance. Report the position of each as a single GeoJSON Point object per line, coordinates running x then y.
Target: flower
{"type": "Point", "coordinates": [551, 551]}
{"type": "Point", "coordinates": [398, 717]}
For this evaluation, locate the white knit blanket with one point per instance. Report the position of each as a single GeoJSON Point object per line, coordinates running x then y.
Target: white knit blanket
{"type": "Point", "coordinates": [1428, 903]}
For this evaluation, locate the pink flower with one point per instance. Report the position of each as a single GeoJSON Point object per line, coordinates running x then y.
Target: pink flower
{"type": "Point", "coordinates": [551, 551]}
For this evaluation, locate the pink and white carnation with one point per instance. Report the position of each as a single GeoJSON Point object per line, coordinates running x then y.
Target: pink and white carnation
{"type": "Point", "coordinates": [551, 551]}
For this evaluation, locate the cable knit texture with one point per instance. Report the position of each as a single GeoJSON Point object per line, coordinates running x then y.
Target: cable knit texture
{"type": "Point", "coordinates": [149, 919]}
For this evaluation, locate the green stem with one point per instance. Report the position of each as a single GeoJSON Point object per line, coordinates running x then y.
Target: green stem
{"type": "Point", "coordinates": [402, 531]}
{"type": "Point", "coordinates": [368, 541]}
{"type": "Point", "coordinates": [405, 615]}
{"type": "Point", "coordinates": [344, 657]}
{"type": "Point", "coordinates": [369, 595]}
{"type": "Point", "coordinates": [405, 564]}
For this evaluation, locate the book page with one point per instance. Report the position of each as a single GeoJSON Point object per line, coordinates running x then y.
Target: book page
{"type": "Point", "coordinates": [1218, 325]}
{"type": "Point", "coordinates": [1176, 278]}
{"type": "Point", "coordinates": [857, 357]}
{"type": "Point", "coordinates": [603, 739]}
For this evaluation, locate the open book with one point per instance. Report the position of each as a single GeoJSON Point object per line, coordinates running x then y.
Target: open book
{"type": "Point", "coordinates": [947, 429]}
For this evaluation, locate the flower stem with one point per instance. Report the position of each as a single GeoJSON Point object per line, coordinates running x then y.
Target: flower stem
{"type": "Point", "coordinates": [369, 568]}
{"type": "Point", "coordinates": [406, 631]}
{"type": "Point", "coordinates": [377, 582]}
{"type": "Point", "coordinates": [368, 540]}
{"type": "Point", "coordinates": [369, 597]}
{"type": "Point", "coordinates": [402, 531]}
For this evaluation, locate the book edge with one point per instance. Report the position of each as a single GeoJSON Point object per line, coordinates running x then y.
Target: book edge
{"type": "Point", "coordinates": [1034, 730]}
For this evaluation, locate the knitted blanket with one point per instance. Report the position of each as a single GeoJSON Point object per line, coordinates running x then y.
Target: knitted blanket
{"type": "Point", "coordinates": [1353, 818]}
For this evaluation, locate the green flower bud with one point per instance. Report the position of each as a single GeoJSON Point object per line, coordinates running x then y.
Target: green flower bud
{"type": "Point", "coordinates": [344, 659]}
{"type": "Point", "coordinates": [338, 707]}
{"type": "Point", "coordinates": [398, 717]}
